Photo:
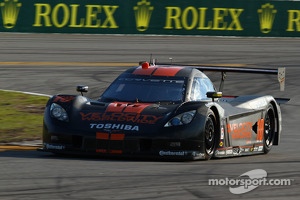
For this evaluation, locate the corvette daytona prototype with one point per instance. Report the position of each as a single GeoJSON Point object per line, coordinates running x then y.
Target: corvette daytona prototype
{"type": "Point", "coordinates": [164, 110]}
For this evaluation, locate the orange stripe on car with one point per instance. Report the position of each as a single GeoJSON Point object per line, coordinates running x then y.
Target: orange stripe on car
{"type": "Point", "coordinates": [167, 71]}
{"type": "Point", "coordinates": [102, 136]}
{"type": "Point", "coordinates": [260, 129]}
{"type": "Point", "coordinates": [136, 108]}
{"type": "Point", "coordinates": [141, 71]}
{"type": "Point", "coordinates": [116, 107]}
{"type": "Point", "coordinates": [112, 151]}
{"type": "Point", "coordinates": [117, 136]}
{"type": "Point", "coordinates": [101, 150]}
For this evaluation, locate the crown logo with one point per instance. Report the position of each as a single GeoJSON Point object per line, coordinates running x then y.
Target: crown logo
{"type": "Point", "coordinates": [266, 17]}
{"type": "Point", "coordinates": [142, 12]}
{"type": "Point", "coordinates": [10, 11]}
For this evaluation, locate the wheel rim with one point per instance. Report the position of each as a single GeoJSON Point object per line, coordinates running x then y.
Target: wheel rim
{"type": "Point", "coordinates": [209, 136]}
{"type": "Point", "coordinates": [269, 128]}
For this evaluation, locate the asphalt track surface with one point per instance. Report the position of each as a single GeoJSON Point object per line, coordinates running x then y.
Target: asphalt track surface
{"type": "Point", "coordinates": [56, 63]}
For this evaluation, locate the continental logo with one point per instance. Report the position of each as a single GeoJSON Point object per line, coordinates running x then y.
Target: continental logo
{"type": "Point", "coordinates": [10, 11]}
{"type": "Point", "coordinates": [143, 12]}
{"type": "Point", "coordinates": [266, 16]}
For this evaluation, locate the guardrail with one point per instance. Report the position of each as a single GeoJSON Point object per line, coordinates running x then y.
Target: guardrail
{"type": "Point", "coordinates": [164, 17]}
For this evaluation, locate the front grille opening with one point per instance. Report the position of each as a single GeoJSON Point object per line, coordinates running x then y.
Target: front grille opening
{"type": "Point", "coordinates": [145, 144]}
{"type": "Point", "coordinates": [77, 141]}
{"type": "Point", "coordinates": [90, 145]}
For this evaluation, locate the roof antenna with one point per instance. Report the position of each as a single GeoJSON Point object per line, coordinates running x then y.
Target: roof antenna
{"type": "Point", "coordinates": [150, 59]}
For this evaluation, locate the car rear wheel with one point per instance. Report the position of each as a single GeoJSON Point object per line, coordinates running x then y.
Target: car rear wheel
{"type": "Point", "coordinates": [269, 129]}
{"type": "Point", "coordinates": [210, 135]}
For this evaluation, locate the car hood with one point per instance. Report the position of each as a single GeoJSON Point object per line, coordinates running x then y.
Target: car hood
{"type": "Point", "coordinates": [90, 116]}
{"type": "Point", "coordinates": [125, 111]}
{"type": "Point", "coordinates": [121, 116]}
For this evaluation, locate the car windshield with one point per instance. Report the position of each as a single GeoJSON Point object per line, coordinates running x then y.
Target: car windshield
{"type": "Point", "coordinates": [141, 89]}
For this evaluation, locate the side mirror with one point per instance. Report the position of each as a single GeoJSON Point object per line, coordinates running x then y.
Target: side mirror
{"type": "Point", "coordinates": [214, 95]}
{"type": "Point", "coordinates": [82, 88]}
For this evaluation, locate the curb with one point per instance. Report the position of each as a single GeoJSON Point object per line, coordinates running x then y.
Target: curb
{"type": "Point", "coordinates": [17, 148]}
{"type": "Point", "coordinates": [21, 146]}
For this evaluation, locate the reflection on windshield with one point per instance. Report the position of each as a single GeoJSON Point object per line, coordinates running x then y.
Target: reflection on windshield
{"type": "Point", "coordinates": [145, 90]}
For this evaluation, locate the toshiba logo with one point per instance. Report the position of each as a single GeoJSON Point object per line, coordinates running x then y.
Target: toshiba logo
{"type": "Point", "coordinates": [126, 127]}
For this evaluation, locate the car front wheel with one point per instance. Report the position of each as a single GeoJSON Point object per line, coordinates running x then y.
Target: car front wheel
{"type": "Point", "coordinates": [210, 135]}
{"type": "Point", "coordinates": [269, 129]}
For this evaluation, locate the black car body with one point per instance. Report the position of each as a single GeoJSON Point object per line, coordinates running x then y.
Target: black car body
{"type": "Point", "coordinates": [167, 111]}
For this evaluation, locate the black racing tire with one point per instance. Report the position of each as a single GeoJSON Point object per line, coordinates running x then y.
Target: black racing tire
{"type": "Point", "coordinates": [269, 128]}
{"type": "Point", "coordinates": [210, 135]}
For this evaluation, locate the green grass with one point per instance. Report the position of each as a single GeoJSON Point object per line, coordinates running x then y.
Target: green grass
{"type": "Point", "coordinates": [21, 116]}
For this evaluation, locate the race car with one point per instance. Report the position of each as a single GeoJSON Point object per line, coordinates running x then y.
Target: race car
{"type": "Point", "coordinates": [166, 111]}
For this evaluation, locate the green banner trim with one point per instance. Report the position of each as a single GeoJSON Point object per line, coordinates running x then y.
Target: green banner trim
{"type": "Point", "coordinates": [257, 18]}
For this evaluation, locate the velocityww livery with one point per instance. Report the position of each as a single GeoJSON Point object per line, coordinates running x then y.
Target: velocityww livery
{"type": "Point", "coordinates": [164, 110]}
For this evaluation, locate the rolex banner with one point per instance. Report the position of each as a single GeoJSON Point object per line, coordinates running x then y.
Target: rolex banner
{"type": "Point", "coordinates": [163, 17]}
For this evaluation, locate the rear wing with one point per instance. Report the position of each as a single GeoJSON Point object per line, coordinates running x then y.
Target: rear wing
{"type": "Point", "coordinates": [280, 72]}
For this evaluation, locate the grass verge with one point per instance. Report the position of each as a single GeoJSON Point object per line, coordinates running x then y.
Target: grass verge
{"type": "Point", "coordinates": [21, 116]}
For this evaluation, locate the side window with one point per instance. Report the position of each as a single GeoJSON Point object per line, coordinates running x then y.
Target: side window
{"type": "Point", "coordinates": [200, 87]}
{"type": "Point", "coordinates": [196, 92]}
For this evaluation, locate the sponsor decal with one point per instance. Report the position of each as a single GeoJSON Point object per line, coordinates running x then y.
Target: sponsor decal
{"type": "Point", "coordinates": [175, 144]}
{"type": "Point", "coordinates": [229, 152]}
{"type": "Point", "coordinates": [173, 153]}
{"type": "Point", "coordinates": [120, 117]}
{"type": "Point", "coordinates": [222, 133]}
{"type": "Point", "coordinates": [241, 130]}
{"type": "Point", "coordinates": [126, 127]}
{"type": "Point", "coordinates": [64, 15]}
{"type": "Point", "coordinates": [54, 146]}
{"type": "Point", "coordinates": [221, 144]}
{"type": "Point", "coordinates": [220, 152]}
{"type": "Point", "coordinates": [236, 151]}
{"type": "Point", "coordinates": [260, 130]}
{"type": "Point", "coordinates": [197, 154]}
{"type": "Point", "coordinates": [260, 148]}
{"type": "Point", "coordinates": [224, 18]}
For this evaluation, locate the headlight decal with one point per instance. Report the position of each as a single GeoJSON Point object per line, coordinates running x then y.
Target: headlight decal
{"type": "Point", "coordinates": [58, 112]}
